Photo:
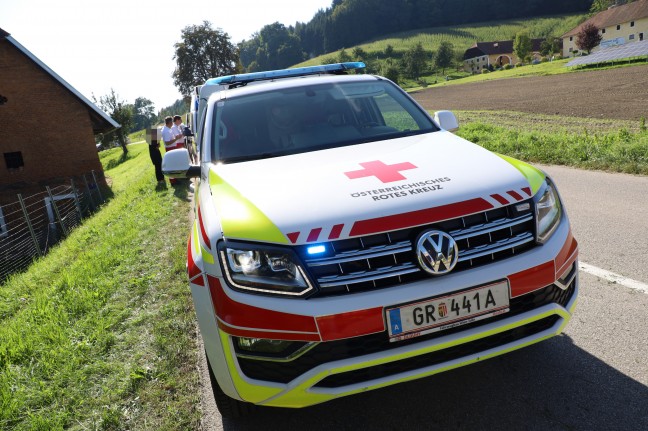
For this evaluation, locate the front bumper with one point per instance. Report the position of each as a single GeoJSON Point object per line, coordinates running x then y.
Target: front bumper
{"type": "Point", "coordinates": [357, 374]}
{"type": "Point", "coordinates": [353, 353]}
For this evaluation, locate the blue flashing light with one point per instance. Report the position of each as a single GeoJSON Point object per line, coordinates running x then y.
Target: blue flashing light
{"type": "Point", "coordinates": [285, 73]}
{"type": "Point", "coordinates": [316, 249]}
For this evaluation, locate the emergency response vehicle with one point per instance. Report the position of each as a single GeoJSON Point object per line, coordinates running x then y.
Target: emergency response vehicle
{"type": "Point", "coordinates": [346, 240]}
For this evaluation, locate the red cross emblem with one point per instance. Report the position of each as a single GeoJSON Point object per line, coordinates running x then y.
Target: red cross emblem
{"type": "Point", "coordinates": [385, 173]}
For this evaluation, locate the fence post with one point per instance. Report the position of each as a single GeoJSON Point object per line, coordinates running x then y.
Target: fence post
{"type": "Point", "coordinates": [98, 188]}
{"type": "Point", "coordinates": [29, 225]}
{"type": "Point", "coordinates": [76, 200]}
{"type": "Point", "coordinates": [92, 203]}
{"type": "Point", "coordinates": [56, 211]}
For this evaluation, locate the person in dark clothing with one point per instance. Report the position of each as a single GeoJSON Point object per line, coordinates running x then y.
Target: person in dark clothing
{"type": "Point", "coordinates": [156, 158]}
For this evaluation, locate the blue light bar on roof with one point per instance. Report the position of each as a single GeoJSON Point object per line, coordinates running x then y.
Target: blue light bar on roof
{"type": "Point", "coordinates": [285, 73]}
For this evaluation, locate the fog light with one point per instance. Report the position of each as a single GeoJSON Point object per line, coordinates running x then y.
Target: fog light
{"type": "Point", "coordinates": [263, 345]}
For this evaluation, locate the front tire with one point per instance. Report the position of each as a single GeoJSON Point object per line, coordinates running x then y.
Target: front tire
{"type": "Point", "coordinates": [228, 407]}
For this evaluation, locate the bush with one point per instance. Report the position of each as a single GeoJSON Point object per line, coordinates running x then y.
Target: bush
{"type": "Point", "coordinates": [508, 66]}
{"type": "Point", "coordinates": [485, 71]}
{"type": "Point", "coordinates": [518, 64]}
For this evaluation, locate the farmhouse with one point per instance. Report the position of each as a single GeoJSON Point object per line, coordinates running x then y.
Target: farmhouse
{"type": "Point", "coordinates": [483, 54]}
{"type": "Point", "coordinates": [48, 126]}
{"type": "Point", "coordinates": [618, 25]}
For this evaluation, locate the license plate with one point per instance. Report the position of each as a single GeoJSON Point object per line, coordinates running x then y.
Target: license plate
{"type": "Point", "coordinates": [438, 314]}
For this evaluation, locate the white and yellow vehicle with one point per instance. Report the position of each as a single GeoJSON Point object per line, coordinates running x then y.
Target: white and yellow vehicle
{"type": "Point", "coordinates": [345, 240]}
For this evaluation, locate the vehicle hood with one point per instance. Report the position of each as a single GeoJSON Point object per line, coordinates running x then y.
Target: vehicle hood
{"type": "Point", "coordinates": [365, 189]}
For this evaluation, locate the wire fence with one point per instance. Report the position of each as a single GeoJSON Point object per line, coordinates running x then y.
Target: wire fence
{"type": "Point", "coordinates": [32, 224]}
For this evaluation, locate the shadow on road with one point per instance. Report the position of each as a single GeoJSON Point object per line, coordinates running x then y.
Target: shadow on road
{"type": "Point", "coordinates": [554, 385]}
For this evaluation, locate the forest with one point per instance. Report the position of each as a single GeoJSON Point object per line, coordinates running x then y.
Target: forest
{"type": "Point", "coordinates": [350, 22]}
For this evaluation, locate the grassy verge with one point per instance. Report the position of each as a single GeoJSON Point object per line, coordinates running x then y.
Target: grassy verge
{"type": "Point", "coordinates": [99, 334]}
{"type": "Point", "coordinates": [612, 145]}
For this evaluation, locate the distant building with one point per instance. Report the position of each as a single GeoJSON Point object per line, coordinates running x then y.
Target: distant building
{"type": "Point", "coordinates": [48, 127]}
{"type": "Point", "coordinates": [497, 54]}
{"type": "Point", "coordinates": [618, 25]}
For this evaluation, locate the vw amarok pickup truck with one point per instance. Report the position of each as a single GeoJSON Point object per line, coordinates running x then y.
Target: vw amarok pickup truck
{"type": "Point", "coordinates": [345, 240]}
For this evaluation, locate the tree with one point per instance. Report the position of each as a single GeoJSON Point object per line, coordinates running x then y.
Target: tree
{"type": "Point", "coordinates": [143, 114]}
{"type": "Point", "coordinates": [359, 54]}
{"type": "Point", "coordinates": [203, 53]}
{"type": "Point", "coordinates": [522, 46]}
{"type": "Point", "coordinates": [344, 56]}
{"type": "Point", "coordinates": [550, 45]}
{"type": "Point", "coordinates": [588, 37]}
{"type": "Point", "coordinates": [444, 56]}
{"type": "Point", "coordinates": [119, 111]}
{"type": "Point", "coordinates": [414, 61]}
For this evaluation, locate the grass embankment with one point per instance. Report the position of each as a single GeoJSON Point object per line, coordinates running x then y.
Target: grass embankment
{"type": "Point", "coordinates": [611, 145]}
{"type": "Point", "coordinates": [99, 334]}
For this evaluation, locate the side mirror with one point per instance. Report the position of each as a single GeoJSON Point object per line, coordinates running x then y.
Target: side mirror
{"type": "Point", "coordinates": [176, 163]}
{"type": "Point", "coordinates": [446, 120]}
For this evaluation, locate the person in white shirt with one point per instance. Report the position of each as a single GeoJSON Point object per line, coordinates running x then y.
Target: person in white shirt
{"type": "Point", "coordinates": [170, 138]}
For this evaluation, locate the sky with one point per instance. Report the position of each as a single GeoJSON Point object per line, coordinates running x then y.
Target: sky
{"type": "Point", "coordinates": [127, 45]}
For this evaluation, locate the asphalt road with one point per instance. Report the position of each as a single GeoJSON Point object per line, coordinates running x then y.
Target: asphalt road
{"type": "Point", "coordinates": [592, 377]}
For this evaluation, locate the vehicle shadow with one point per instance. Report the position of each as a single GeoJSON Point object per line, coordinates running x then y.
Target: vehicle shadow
{"type": "Point", "coordinates": [553, 385]}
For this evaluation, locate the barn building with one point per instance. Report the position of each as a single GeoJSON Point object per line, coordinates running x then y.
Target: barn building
{"type": "Point", "coordinates": [48, 126]}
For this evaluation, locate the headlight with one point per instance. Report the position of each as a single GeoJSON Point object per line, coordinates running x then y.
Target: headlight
{"type": "Point", "coordinates": [548, 211]}
{"type": "Point", "coordinates": [263, 269]}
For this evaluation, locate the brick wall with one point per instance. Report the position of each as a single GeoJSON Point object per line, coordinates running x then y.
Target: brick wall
{"type": "Point", "coordinates": [44, 121]}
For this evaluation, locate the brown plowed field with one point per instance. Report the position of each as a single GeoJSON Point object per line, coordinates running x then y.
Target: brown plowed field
{"type": "Point", "coordinates": [614, 93]}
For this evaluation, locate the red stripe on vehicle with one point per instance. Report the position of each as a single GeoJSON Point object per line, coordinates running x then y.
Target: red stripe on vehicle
{"type": "Point", "coordinates": [336, 231]}
{"type": "Point", "coordinates": [419, 217]}
{"type": "Point", "coordinates": [203, 232]}
{"type": "Point", "coordinates": [248, 316]}
{"type": "Point", "coordinates": [200, 281]}
{"type": "Point", "coordinates": [255, 333]}
{"type": "Point", "coordinates": [352, 324]}
{"type": "Point", "coordinates": [567, 255]}
{"type": "Point", "coordinates": [527, 190]}
{"type": "Point", "coordinates": [501, 199]}
{"type": "Point", "coordinates": [192, 269]}
{"type": "Point", "coordinates": [314, 234]}
{"type": "Point", "coordinates": [515, 195]}
{"type": "Point", "coordinates": [532, 279]}
{"type": "Point", "coordinates": [293, 236]}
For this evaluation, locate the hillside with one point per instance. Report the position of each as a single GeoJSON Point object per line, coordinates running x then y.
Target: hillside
{"type": "Point", "coordinates": [378, 57]}
{"type": "Point", "coordinates": [348, 23]}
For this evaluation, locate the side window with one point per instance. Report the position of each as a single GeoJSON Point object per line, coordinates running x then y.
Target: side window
{"type": "Point", "coordinates": [201, 136]}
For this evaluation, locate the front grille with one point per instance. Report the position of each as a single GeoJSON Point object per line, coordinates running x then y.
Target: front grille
{"type": "Point", "coordinates": [358, 346]}
{"type": "Point", "coordinates": [384, 260]}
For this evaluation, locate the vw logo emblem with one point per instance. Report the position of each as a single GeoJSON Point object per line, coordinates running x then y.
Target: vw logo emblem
{"type": "Point", "coordinates": [437, 252]}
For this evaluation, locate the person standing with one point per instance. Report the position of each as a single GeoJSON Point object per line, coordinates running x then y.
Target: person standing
{"type": "Point", "coordinates": [156, 158]}
{"type": "Point", "coordinates": [170, 138]}
{"type": "Point", "coordinates": [186, 133]}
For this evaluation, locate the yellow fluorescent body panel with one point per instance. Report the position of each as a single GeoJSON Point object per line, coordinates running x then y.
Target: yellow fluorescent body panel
{"type": "Point", "coordinates": [247, 391]}
{"type": "Point", "coordinates": [534, 175]}
{"type": "Point", "coordinates": [240, 218]}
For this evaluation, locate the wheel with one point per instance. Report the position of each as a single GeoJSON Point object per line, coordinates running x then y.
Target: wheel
{"type": "Point", "coordinates": [228, 407]}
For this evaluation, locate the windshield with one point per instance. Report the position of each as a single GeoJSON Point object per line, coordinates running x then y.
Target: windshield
{"type": "Point", "coordinates": [309, 118]}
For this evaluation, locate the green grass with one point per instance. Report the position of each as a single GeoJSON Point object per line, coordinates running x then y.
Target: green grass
{"type": "Point", "coordinates": [100, 333]}
{"type": "Point", "coordinates": [612, 145]}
